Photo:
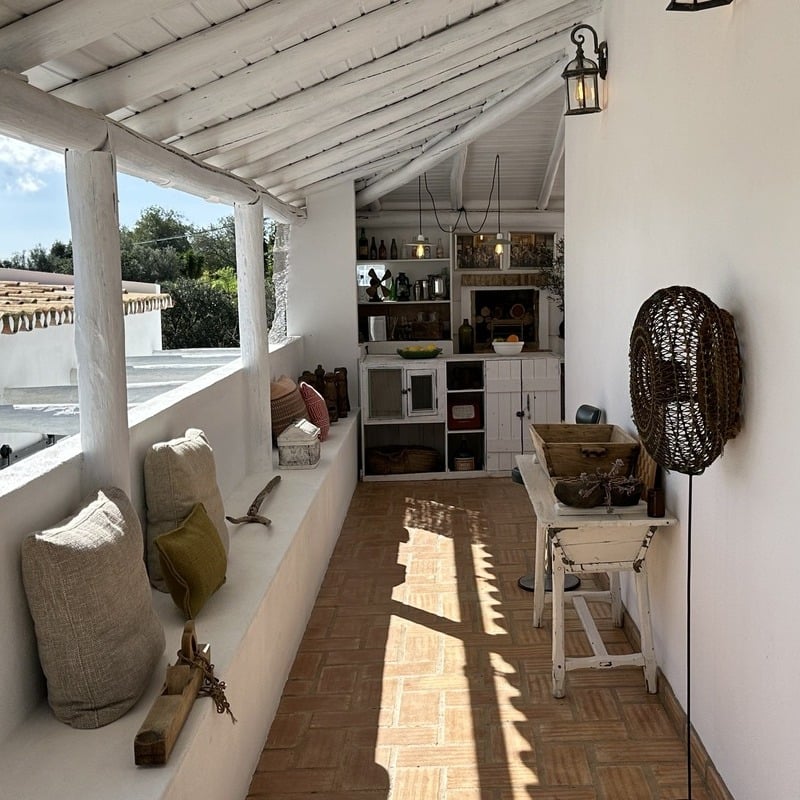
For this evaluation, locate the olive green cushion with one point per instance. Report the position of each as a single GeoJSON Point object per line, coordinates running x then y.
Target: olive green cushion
{"type": "Point", "coordinates": [98, 635]}
{"type": "Point", "coordinates": [179, 474]}
{"type": "Point", "coordinates": [193, 561]}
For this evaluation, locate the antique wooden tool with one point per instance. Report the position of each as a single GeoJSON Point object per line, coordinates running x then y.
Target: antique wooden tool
{"type": "Point", "coordinates": [252, 514]}
{"type": "Point", "coordinates": [159, 732]}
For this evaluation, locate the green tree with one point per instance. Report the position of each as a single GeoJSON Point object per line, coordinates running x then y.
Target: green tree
{"type": "Point", "coordinates": [203, 316]}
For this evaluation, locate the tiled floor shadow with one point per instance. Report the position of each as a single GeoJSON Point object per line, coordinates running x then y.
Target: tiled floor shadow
{"type": "Point", "coordinates": [420, 676]}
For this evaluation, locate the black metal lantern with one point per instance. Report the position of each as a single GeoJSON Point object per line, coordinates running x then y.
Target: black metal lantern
{"type": "Point", "coordinates": [696, 5]}
{"type": "Point", "coordinates": [581, 74]}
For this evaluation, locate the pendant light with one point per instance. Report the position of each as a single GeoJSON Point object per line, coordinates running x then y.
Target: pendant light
{"type": "Point", "coordinates": [418, 244]}
{"type": "Point", "coordinates": [696, 5]}
{"type": "Point", "coordinates": [500, 240]}
{"type": "Point", "coordinates": [581, 74]}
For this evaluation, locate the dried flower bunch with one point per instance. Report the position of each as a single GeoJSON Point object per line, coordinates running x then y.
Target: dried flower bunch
{"type": "Point", "coordinates": [611, 483]}
{"type": "Point", "coordinates": [600, 488]}
{"type": "Point", "coordinates": [550, 263]}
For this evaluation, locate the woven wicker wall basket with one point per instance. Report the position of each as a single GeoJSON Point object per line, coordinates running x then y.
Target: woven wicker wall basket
{"type": "Point", "coordinates": [685, 378]}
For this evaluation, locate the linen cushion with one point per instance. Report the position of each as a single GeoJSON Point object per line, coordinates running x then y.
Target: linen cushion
{"type": "Point", "coordinates": [317, 409]}
{"type": "Point", "coordinates": [99, 638]}
{"type": "Point", "coordinates": [286, 404]}
{"type": "Point", "coordinates": [179, 474]}
{"type": "Point", "coordinates": [193, 561]}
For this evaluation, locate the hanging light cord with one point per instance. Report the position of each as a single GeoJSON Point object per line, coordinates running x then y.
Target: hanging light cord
{"type": "Point", "coordinates": [462, 212]}
{"type": "Point", "coordinates": [419, 200]}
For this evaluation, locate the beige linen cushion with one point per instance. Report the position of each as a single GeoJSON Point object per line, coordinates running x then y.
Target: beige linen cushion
{"type": "Point", "coordinates": [178, 475]}
{"type": "Point", "coordinates": [99, 638]}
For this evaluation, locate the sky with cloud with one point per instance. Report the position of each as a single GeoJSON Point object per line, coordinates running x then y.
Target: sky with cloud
{"type": "Point", "coordinates": [33, 199]}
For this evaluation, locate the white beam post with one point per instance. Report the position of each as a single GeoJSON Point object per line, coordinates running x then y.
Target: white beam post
{"type": "Point", "coordinates": [249, 223]}
{"type": "Point", "coordinates": [457, 178]}
{"type": "Point", "coordinates": [99, 320]}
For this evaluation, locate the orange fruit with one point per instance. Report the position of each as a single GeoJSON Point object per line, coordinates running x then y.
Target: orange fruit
{"type": "Point", "coordinates": [513, 338]}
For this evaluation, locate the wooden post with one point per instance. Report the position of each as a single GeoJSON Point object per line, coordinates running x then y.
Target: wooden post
{"type": "Point", "coordinates": [249, 221]}
{"type": "Point", "coordinates": [99, 320]}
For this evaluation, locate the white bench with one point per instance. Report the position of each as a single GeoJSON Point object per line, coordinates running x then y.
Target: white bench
{"type": "Point", "coordinates": [254, 625]}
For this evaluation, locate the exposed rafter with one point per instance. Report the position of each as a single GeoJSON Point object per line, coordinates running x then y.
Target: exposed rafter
{"type": "Point", "coordinates": [62, 27]}
{"type": "Point", "coordinates": [443, 100]}
{"type": "Point", "coordinates": [534, 91]}
{"type": "Point", "coordinates": [556, 156]}
{"type": "Point", "coordinates": [457, 178]}
{"type": "Point", "coordinates": [413, 69]}
{"type": "Point", "coordinates": [179, 61]}
{"type": "Point", "coordinates": [46, 121]}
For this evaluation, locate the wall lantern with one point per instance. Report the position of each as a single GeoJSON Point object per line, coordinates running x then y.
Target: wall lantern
{"type": "Point", "coordinates": [581, 74]}
{"type": "Point", "coordinates": [696, 5]}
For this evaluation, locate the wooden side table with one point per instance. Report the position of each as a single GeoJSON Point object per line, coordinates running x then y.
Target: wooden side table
{"type": "Point", "coordinates": [590, 542]}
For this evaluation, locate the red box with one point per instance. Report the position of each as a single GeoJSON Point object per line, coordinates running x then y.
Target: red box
{"type": "Point", "coordinates": [464, 414]}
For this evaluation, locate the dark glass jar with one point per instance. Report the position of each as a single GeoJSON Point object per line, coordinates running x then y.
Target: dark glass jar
{"type": "Point", "coordinates": [466, 338]}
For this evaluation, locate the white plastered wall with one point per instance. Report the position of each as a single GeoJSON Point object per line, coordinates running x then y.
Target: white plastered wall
{"type": "Point", "coordinates": [691, 176]}
{"type": "Point", "coordinates": [322, 285]}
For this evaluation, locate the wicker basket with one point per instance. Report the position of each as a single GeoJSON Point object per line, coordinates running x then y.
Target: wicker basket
{"type": "Point", "coordinates": [399, 460]}
{"type": "Point", "coordinates": [286, 405]}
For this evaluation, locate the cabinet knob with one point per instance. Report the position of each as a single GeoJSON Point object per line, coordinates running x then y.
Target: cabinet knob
{"type": "Point", "coordinates": [520, 414]}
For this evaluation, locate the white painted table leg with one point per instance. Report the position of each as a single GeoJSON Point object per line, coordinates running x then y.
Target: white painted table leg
{"type": "Point", "coordinates": [559, 665]}
{"type": "Point", "coordinates": [646, 630]}
{"type": "Point", "coordinates": [538, 576]}
{"type": "Point", "coordinates": [616, 599]}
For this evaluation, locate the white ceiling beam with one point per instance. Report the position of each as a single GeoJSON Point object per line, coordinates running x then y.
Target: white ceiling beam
{"type": "Point", "coordinates": [381, 28]}
{"type": "Point", "coordinates": [530, 94]}
{"type": "Point", "coordinates": [457, 178]}
{"type": "Point", "coordinates": [40, 119]}
{"type": "Point", "coordinates": [180, 61]}
{"type": "Point", "coordinates": [327, 166]}
{"type": "Point", "coordinates": [556, 156]}
{"type": "Point", "coordinates": [63, 27]}
{"type": "Point", "coordinates": [388, 163]}
{"type": "Point", "coordinates": [444, 99]}
{"type": "Point", "coordinates": [407, 71]}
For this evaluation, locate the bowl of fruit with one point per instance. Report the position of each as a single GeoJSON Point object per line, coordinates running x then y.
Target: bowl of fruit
{"type": "Point", "coordinates": [509, 346]}
{"type": "Point", "coordinates": [419, 351]}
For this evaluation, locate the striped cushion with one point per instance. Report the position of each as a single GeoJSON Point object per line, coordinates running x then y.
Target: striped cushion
{"type": "Point", "coordinates": [317, 409]}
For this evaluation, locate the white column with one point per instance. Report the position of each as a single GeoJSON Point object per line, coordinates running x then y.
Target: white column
{"type": "Point", "coordinates": [99, 320]}
{"type": "Point", "coordinates": [249, 220]}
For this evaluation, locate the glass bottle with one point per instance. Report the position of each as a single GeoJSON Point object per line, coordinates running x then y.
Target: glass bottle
{"type": "Point", "coordinates": [363, 245]}
{"type": "Point", "coordinates": [382, 251]}
{"type": "Point", "coordinates": [439, 249]}
{"type": "Point", "coordinates": [393, 250]}
{"type": "Point", "coordinates": [373, 249]}
{"type": "Point", "coordinates": [466, 338]}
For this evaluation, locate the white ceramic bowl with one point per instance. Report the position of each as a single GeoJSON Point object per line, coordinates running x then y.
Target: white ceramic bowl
{"type": "Point", "coordinates": [508, 348]}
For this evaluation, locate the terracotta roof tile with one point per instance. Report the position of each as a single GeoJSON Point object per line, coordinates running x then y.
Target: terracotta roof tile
{"type": "Point", "coordinates": [25, 306]}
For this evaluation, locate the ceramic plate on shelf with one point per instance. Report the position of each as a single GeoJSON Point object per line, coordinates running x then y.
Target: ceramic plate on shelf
{"type": "Point", "coordinates": [417, 351]}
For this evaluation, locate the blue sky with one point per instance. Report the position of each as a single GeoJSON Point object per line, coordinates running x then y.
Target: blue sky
{"type": "Point", "coordinates": [33, 199]}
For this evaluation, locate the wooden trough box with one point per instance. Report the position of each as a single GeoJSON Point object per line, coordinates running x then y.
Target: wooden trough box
{"type": "Point", "coordinates": [567, 449]}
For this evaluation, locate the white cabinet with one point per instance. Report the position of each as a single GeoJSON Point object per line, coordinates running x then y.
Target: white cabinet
{"type": "Point", "coordinates": [519, 392]}
{"type": "Point", "coordinates": [399, 391]}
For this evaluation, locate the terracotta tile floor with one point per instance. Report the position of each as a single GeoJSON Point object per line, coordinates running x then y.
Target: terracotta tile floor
{"type": "Point", "coordinates": [420, 677]}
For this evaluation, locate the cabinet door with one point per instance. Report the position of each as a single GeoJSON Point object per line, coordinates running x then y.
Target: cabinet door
{"type": "Point", "coordinates": [541, 395]}
{"type": "Point", "coordinates": [503, 405]}
{"type": "Point", "coordinates": [422, 392]}
{"type": "Point", "coordinates": [383, 391]}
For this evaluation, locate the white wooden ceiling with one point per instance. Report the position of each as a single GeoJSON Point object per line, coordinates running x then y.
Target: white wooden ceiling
{"type": "Point", "coordinates": [295, 95]}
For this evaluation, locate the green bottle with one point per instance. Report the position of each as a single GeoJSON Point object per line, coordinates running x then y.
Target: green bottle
{"type": "Point", "coordinates": [466, 338]}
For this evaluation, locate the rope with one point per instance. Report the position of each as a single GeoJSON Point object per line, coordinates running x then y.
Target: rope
{"type": "Point", "coordinates": [212, 686]}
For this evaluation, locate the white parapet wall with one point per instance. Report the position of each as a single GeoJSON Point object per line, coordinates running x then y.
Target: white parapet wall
{"type": "Point", "coordinates": [254, 623]}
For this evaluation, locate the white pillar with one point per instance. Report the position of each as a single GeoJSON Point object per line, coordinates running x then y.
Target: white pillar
{"type": "Point", "coordinates": [249, 220]}
{"type": "Point", "coordinates": [99, 320]}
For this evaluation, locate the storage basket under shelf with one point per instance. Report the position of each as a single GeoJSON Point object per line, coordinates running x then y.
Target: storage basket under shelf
{"type": "Point", "coordinates": [569, 449]}
{"type": "Point", "coordinates": [401, 460]}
